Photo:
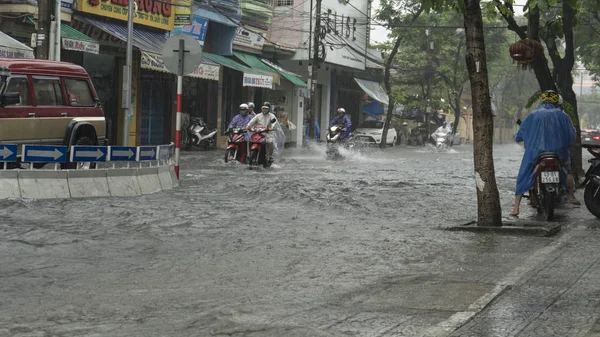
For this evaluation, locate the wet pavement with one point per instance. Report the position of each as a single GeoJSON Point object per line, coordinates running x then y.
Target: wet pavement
{"type": "Point", "coordinates": [308, 248]}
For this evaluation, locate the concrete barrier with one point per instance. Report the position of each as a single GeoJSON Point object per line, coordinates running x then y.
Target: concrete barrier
{"type": "Point", "coordinates": [148, 180]}
{"type": "Point", "coordinates": [164, 176]}
{"type": "Point", "coordinates": [123, 182]}
{"type": "Point", "coordinates": [88, 183]}
{"type": "Point", "coordinates": [43, 184]}
{"type": "Point", "coordinates": [9, 184]}
{"type": "Point", "coordinates": [50, 184]}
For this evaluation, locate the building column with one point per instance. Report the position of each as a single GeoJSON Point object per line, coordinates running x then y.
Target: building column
{"type": "Point", "coordinates": [325, 102]}
{"type": "Point", "coordinates": [298, 105]}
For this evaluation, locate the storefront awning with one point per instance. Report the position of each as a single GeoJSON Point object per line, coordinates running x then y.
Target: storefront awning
{"type": "Point", "coordinates": [72, 39]}
{"type": "Point", "coordinates": [373, 89]}
{"type": "Point", "coordinates": [206, 70]}
{"type": "Point", "coordinates": [288, 75]}
{"type": "Point", "coordinates": [143, 38]}
{"type": "Point", "coordinates": [252, 77]}
{"type": "Point", "coordinates": [11, 48]}
{"type": "Point", "coordinates": [254, 63]}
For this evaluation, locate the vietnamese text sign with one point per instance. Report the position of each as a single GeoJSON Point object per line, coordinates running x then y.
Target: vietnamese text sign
{"type": "Point", "coordinates": [197, 29]}
{"type": "Point", "coordinates": [249, 38]}
{"type": "Point", "coordinates": [183, 12]}
{"type": "Point", "coordinates": [154, 13]}
{"type": "Point", "coordinates": [261, 81]}
{"type": "Point", "coordinates": [155, 62]}
{"type": "Point", "coordinates": [78, 45]}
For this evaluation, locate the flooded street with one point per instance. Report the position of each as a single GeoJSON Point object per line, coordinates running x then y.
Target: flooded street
{"type": "Point", "coordinates": [308, 248]}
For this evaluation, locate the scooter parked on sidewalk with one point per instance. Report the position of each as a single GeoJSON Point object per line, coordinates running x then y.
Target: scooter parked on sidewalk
{"type": "Point", "coordinates": [236, 146]}
{"type": "Point", "coordinates": [200, 135]}
{"type": "Point", "coordinates": [591, 194]}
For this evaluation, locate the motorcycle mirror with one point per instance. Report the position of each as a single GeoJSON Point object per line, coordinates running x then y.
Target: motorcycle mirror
{"type": "Point", "coordinates": [519, 121]}
{"type": "Point", "coordinates": [273, 120]}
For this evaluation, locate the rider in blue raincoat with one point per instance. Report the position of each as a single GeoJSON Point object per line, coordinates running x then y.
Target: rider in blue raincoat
{"type": "Point", "coordinates": [341, 118]}
{"type": "Point", "coordinates": [547, 129]}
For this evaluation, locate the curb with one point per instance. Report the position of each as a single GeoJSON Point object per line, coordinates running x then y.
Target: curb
{"type": "Point", "coordinates": [513, 227]}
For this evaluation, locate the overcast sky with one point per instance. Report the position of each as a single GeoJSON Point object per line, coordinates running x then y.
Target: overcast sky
{"type": "Point", "coordinates": [379, 34]}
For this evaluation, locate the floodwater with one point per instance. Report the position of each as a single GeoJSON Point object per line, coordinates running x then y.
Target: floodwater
{"type": "Point", "coordinates": [311, 247]}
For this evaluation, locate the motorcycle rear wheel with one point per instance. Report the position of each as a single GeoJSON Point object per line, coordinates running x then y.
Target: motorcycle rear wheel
{"type": "Point", "coordinates": [592, 203]}
{"type": "Point", "coordinates": [548, 203]}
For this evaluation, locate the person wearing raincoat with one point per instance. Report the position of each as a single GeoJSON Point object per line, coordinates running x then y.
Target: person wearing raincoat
{"type": "Point", "coordinates": [546, 129]}
{"type": "Point", "coordinates": [341, 118]}
{"type": "Point", "coordinates": [274, 137]}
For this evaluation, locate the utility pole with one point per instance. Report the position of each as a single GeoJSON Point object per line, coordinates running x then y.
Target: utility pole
{"type": "Point", "coordinates": [315, 69]}
{"type": "Point", "coordinates": [127, 76]}
{"type": "Point", "coordinates": [43, 29]}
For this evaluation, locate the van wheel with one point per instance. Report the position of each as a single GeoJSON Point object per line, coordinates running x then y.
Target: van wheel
{"type": "Point", "coordinates": [83, 165]}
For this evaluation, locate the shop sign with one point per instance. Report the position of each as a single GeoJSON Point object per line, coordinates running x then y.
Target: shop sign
{"type": "Point", "coordinates": [78, 45]}
{"type": "Point", "coordinates": [12, 53]}
{"type": "Point", "coordinates": [260, 81]}
{"type": "Point", "coordinates": [183, 12]}
{"type": "Point", "coordinates": [155, 62]}
{"type": "Point", "coordinates": [249, 38]}
{"type": "Point", "coordinates": [345, 26]}
{"type": "Point", "coordinates": [197, 29]}
{"type": "Point", "coordinates": [153, 13]}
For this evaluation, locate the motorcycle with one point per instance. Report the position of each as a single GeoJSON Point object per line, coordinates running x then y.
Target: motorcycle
{"type": "Point", "coordinates": [591, 194]}
{"type": "Point", "coordinates": [258, 147]}
{"type": "Point", "coordinates": [236, 146]}
{"type": "Point", "coordinates": [442, 141]}
{"type": "Point", "coordinates": [200, 135]}
{"type": "Point", "coordinates": [548, 190]}
{"type": "Point", "coordinates": [333, 141]}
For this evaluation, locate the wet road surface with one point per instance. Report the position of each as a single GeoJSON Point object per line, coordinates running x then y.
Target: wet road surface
{"type": "Point", "coordinates": [308, 248]}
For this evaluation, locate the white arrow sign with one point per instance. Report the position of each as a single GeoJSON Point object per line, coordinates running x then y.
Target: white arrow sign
{"type": "Point", "coordinates": [90, 154]}
{"type": "Point", "coordinates": [121, 153]}
{"type": "Point", "coordinates": [42, 153]}
{"type": "Point", "coordinates": [6, 152]}
{"type": "Point", "coordinates": [150, 153]}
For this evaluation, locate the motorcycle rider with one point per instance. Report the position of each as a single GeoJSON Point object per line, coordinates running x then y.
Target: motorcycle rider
{"type": "Point", "coordinates": [242, 119]}
{"type": "Point", "coordinates": [546, 129]}
{"type": "Point", "coordinates": [264, 119]}
{"type": "Point", "coordinates": [251, 109]}
{"type": "Point", "coordinates": [443, 129]}
{"type": "Point", "coordinates": [341, 118]}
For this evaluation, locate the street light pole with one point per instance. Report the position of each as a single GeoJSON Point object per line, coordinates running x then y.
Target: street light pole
{"type": "Point", "coordinates": [57, 38]}
{"type": "Point", "coordinates": [127, 76]}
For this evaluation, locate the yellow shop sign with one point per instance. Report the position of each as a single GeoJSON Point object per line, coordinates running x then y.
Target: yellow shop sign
{"type": "Point", "coordinates": [155, 13]}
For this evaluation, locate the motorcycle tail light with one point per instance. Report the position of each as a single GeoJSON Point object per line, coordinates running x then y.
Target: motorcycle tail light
{"type": "Point", "coordinates": [551, 163]}
{"type": "Point", "coordinates": [596, 137]}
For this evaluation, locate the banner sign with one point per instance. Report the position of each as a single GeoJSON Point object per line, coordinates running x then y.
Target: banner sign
{"type": "Point", "coordinates": [197, 29]}
{"type": "Point", "coordinates": [15, 53]}
{"type": "Point", "coordinates": [155, 62]}
{"type": "Point", "coordinates": [250, 38]}
{"type": "Point", "coordinates": [78, 45]}
{"type": "Point", "coordinates": [154, 13]}
{"type": "Point", "coordinates": [183, 12]}
{"type": "Point", "coordinates": [260, 81]}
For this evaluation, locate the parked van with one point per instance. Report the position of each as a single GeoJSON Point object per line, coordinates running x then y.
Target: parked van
{"type": "Point", "coordinates": [48, 103]}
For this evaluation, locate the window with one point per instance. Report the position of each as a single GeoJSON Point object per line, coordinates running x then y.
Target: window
{"type": "Point", "coordinates": [79, 92]}
{"type": "Point", "coordinates": [19, 84]}
{"type": "Point", "coordinates": [372, 125]}
{"type": "Point", "coordinates": [284, 3]}
{"type": "Point", "coordinates": [47, 91]}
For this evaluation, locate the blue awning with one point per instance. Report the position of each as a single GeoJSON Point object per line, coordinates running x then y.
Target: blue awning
{"type": "Point", "coordinates": [144, 39]}
{"type": "Point", "coordinates": [373, 108]}
{"type": "Point", "coordinates": [216, 17]}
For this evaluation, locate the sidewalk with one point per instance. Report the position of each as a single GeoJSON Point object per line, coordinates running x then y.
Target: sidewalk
{"type": "Point", "coordinates": [559, 296]}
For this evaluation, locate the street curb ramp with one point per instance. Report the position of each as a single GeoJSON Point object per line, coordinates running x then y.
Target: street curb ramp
{"type": "Point", "coordinates": [63, 184]}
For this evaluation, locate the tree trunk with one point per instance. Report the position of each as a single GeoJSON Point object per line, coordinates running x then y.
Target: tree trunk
{"type": "Point", "coordinates": [489, 212]}
{"type": "Point", "coordinates": [388, 89]}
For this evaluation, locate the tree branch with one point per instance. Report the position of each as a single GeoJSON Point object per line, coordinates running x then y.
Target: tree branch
{"type": "Point", "coordinates": [510, 19]}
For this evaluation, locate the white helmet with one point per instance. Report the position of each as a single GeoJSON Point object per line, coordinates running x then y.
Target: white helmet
{"type": "Point", "coordinates": [243, 109]}
{"type": "Point", "coordinates": [342, 111]}
{"type": "Point", "coordinates": [250, 105]}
